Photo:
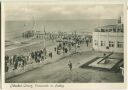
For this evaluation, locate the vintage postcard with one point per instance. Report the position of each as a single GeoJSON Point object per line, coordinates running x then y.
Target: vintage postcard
{"type": "Point", "coordinates": [63, 45]}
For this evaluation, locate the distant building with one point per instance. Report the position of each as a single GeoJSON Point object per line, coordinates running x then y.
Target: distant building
{"type": "Point", "coordinates": [109, 38]}
{"type": "Point", "coordinates": [28, 34]}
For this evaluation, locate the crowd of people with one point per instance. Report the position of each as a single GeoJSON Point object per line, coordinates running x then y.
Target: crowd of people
{"type": "Point", "coordinates": [57, 35]}
{"type": "Point", "coordinates": [16, 61]}
{"type": "Point", "coordinates": [66, 43]}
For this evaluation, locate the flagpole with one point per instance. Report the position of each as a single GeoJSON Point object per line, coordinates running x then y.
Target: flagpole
{"type": "Point", "coordinates": [44, 44]}
{"type": "Point", "coordinates": [44, 36]}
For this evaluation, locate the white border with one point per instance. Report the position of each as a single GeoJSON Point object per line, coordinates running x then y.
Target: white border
{"type": "Point", "coordinates": [2, 41]}
{"type": "Point", "coordinates": [68, 86]}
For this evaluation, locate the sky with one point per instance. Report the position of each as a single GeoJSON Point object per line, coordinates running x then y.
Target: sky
{"type": "Point", "coordinates": [40, 11]}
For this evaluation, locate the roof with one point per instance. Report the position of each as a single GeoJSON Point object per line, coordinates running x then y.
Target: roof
{"type": "Point", "coordinates": [110, 28]}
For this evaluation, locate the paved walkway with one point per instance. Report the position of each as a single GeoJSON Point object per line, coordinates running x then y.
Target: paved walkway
{"type": "Point", "coordinates": [58, 72]}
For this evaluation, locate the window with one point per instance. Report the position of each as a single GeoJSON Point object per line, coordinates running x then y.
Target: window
{"type": "Point", "coordinates": [111, 44]}
{"type": "Point", "coordinates": [97, 30]}
{"type": "Point", "coordinates": [102, 43]}
{"type": "Point", "coordinates": [102, 30]}
{"type": "Point", "coordinates": [121, 30]}
{"type": "Point", "coordinates": [120, 44]}
{"type": "Point", "coordinates": [118, 30]}
{"type": "Point", "coordinates": [114, 29]}
{"type": "Point", "coordinates": [96, 42]}
{"type": "Point", "coordinates": [110, 30]}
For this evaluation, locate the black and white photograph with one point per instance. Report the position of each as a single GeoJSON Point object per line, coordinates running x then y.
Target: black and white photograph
{"type": "Point", "coordinates": [64, 43]}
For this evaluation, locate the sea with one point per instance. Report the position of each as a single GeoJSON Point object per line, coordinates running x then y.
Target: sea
{"type": "Point", "coordinates": [14, 29]}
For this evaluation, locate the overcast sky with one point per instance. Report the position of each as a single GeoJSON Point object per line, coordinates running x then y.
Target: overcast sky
{"type": "Point", "coordinates": [28, 11]}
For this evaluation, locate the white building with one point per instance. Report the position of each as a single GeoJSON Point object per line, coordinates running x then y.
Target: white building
{"type": "Point", "coordinates": [109, 38]}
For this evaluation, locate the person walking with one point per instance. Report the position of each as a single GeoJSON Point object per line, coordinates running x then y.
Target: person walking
{"type": "Point", "coordinates": [70, 65]}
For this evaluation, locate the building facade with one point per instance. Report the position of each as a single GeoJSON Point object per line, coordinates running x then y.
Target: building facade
{"type": "Point", "coordinates": [109, 38]}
